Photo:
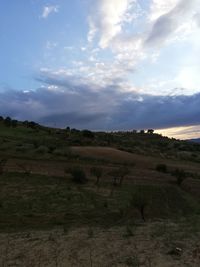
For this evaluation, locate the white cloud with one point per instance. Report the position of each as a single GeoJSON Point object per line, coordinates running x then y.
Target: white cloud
{"type": "Point", "coordinates": [172, 24]}
{"type": "Point", "coordinates": [161, 7]}
{"type": "Point", "coordinates": [47, 10]}
{"type": "Point", "coordinates": [51, 45]}
{"type": "Point", "coordinates": [108, 19]}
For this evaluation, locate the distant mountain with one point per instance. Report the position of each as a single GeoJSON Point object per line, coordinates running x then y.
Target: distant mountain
{"type": "Point", "coordinates": [197, 140]}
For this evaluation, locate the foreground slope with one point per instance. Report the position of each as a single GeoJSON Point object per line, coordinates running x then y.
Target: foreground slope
{"type": "Point", "coordinates": [48, 218]}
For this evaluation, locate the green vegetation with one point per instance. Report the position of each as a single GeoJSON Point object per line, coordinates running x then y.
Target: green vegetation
{"type": "Point", "coordinates": [161, 168]}
{"type": "Point", "coordinates": [78, 175]}
{"type": "Point", "coordinates": [97, 172]}
{"type": "Point", "coordinates": [70, 178]}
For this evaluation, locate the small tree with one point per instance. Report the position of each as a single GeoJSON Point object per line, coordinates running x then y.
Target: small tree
{"type": "Point", "coordinates": [119, 175]}
{"type": "Point", "coordinates": [88, 134]}
{"type": "Point", "coordinates": [8, 121]}
{"type": "Point", "coordinates": [115, 175]}
{"type": "Point", "coordinates": [97, 172]}
{"type": "Point", "coordinates": [139, 201]}
{"type": "Point", "coordinates": [122, 172]}
{"type": "Point", "coordinates": [150, 131]}
{"type": "Point", "coordinates": [14, 123]}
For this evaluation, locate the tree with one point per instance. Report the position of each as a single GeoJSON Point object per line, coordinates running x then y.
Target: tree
{"type": "Point", "coordinates": [119, 175]}
{"type": "Point", "coordinates": [114, 175]}
{"type": "Point", "coordinates": [150, 131]}
{"type": "Point", "coordinates": [14, 123]}
{"type": "Point", "coordinates": [97, 172]}
{"type": "Point", "coordinates": [122, 172]}
{"type": "Point", "coordinates": [88, 134]}
{"type": "Point", "coordinates": [139, 201]}
{"type": "Point", "coordinates": [8, 121]}
{"type": "Point", "coordinates": [142, 131]}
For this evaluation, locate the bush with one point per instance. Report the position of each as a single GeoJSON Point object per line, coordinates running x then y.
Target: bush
{"type": "Point", "coordinates": [2, 165]}
{"type": "Point", "coordinates": [180, 175]}
{"type": "Point", "coordinates": [78, 175]}
{"type": "Point", "coordinates": [42, 150]}
{"type": "Point", "coordinates": [24, 147]}
{"type": "Point", "coordinates": [161, 168]}
{"type": "Point", "coordinates": [97, 172]}
{"type": "Point", "coordinates": [65, 152]}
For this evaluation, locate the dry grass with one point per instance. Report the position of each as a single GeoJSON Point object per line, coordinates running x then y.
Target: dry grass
{"type": "Point", "coordinates": [116, 247]}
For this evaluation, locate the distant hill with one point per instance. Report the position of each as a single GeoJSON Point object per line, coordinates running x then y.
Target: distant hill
{"type": "Point", "coordinates": [197, 140]}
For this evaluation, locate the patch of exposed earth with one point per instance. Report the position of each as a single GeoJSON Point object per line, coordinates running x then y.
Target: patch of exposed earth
{"type": "Point", "coordinates": [149, 245]}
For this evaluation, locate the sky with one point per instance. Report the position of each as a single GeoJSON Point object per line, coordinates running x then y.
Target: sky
{"type": "Point", "coordinates": [102, 64]}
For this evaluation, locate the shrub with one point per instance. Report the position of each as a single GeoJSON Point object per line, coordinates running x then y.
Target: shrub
{"type": "Point", "coordinates": [2, 165]}
{"type": "Point", "coordinates": [78, 175]}
{"type": "Point", "coordinates": [42, 150]}
{"type": "Point", "coordinates": [161, 168]}
{"type": "Point", "coordinates": [65, 152]}
{"type": "Point", "coordinates": [88, 134]}
{"type": "Point", "coordinates": [97, 172]}
{"type": "Point", "coordinates": [180, 175]}
{"type": "Point", "coordinates": [7, 121]}
{"type": "Point", "coordinates": [24, 147]}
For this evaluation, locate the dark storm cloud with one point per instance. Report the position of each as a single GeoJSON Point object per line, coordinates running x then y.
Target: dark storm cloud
{"type": "Point", "coordinates": [159, 112]}
{"type": "Point", "coordinates": [80, 106]}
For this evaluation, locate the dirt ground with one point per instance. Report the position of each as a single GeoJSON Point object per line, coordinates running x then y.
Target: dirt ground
{"type": "Point", "coordinates": [150, 245]}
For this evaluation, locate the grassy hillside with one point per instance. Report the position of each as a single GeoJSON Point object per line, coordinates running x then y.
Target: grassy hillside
{"type": "Point", "coordinates": [97, 187]}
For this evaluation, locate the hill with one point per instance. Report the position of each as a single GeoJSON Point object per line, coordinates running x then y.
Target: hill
{"type": "Point", "coordinates": [82, 198]}
{"type": "Point", "coordinates": [197, 140]}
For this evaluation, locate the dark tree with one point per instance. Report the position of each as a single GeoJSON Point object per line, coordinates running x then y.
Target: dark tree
{"type": "Point", "coordinates": [150, 131]}
{"type": "Point", "coordinates": [87, 134]}
{"type": "Point", "coordinates": [8, 121]}
{"type": "Point", "coordinates": [14, 123]}
{"type": "Point", "coordinates": [122, 172]}
{"type": "Point", "coordinates": [139, 201]}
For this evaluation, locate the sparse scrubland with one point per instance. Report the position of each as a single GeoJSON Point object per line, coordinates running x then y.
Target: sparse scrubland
{"type": "Point", "coordinates": [82, 198]}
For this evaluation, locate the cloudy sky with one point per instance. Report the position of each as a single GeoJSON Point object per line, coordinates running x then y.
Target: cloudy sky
{"type": "Point", "coordinates": [102, 64]}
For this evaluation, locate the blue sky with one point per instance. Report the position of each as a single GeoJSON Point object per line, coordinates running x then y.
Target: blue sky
{"type": "Point", "coordinates": [102, 65]}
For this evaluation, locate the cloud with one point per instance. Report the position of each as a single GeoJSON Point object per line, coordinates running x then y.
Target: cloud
{"type": "Point", "coordinates": [107, 20]}
{"type": "Point", "coordinates": [197, 19]}
{"type": "Point", "coordinates": [160, 7]}
{"type": "Point", "coordinates": [65, 101]}
{"type": "Point", "coordinates": [51, 45]}
{"type": "Point", "coordinates": [47, 10]}
{"type": "Point", "coordinates": [136, 35]}
{"type": "Point", "coordinates": [168, 23]}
